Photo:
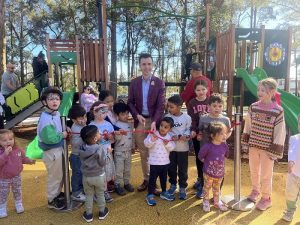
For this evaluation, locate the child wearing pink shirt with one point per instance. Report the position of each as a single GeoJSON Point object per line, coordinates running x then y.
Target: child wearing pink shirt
{"type": "Point", "coordinates": [12, 159]}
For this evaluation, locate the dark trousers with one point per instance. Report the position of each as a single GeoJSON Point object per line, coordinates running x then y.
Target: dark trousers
{"type": "Point", "coordinates": [199, 164]}
{"type": "Point", "coordinates": [178, 166]}
{"type": "Point", "coordinates": [1, 122]}
{"type": "Point", "coordinates": [76, 179]}
{"type": "Point", "coordinates": [160, 171]}
{"type": "Point", "coordinates": [7, 110]}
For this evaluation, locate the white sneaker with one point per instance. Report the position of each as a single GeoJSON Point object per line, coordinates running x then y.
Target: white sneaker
{"type": "Point", "coordinates": [3, 212]}
{"type": "Point", "coordinates": [80, 197]}
{"type": "Point", "coordinates": [19, 207]}
{"type": "Point", "coordinates": [206, 206]}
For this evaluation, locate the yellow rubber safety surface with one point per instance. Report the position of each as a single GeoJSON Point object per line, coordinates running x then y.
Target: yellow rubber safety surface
{"type": "Point", "coordinates": [132, 208]}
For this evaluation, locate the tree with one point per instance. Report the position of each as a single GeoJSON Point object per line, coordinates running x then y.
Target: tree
{"type": "Point", "coordinates": [2, 36]}
{"type": "Point", "coordinates": [19, 22]}
{"type": "Point", "coordinates": [113, 69]}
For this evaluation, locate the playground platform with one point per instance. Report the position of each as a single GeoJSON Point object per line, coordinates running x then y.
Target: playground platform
{"type": "Point", "coordinates": [132, 208]}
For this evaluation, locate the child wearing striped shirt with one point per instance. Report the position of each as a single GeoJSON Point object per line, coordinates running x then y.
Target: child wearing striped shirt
{"type": "Point", "coordinates": [263, 137]}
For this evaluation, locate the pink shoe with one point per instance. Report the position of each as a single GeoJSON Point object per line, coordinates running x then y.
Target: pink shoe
{"type": "Point", "coordinates": [264, 203]}
{"type": "Point", "coordinates": [253, 196]}
{"type": "Point", "coordinates": [221, 206]}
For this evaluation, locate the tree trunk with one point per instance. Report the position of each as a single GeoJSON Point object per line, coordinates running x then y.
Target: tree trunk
{"type": "Point", "coordinates": [2, 37]}
{"type": "Point", "coordinates": [132, 54]}
{"type": "Point", "coordinates": [113, 63]}
{"type": "Point", "coordinates": [128, 52]}
{"type": "Point", "coordinates": [163, 60]}
{"type": "Point", "coordinates": [21, 52]}
{"type": "Point", "coordinates": [183, 37]}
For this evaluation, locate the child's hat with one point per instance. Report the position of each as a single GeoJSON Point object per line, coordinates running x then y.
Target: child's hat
{"type": "Point", "coordinates": [196, 66]}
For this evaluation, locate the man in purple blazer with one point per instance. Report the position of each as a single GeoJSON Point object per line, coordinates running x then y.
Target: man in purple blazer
{"type": "Point", "coordinates": [146, 101]}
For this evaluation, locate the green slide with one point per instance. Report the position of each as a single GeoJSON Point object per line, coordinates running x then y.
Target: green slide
{"type": "Point", "coordinates": [33, 151]}
{"type": "Point", "coordinates": [289, 102]}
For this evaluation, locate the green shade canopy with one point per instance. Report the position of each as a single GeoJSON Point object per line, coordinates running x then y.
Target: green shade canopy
{"type": "Point", "coordinates": [65, 58]}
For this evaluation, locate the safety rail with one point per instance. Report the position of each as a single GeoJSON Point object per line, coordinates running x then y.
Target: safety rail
{"type": "Point", "coordinates": [26, 95]}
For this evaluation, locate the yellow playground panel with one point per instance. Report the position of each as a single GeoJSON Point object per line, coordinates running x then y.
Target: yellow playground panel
{"type": "Point", "coordinates": [23, 98]}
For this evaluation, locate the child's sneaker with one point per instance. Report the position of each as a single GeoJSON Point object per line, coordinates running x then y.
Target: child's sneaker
{"type": "Point", "coordinates": [253, 196]}
{"type": "Point", "coordinates": [129, 187]}
{"type": "Point", "coordinates": [87, 217]}
{"type": "Point", "coordinates": [197, 184]}
{"type": "Point", "coordinates": [167, 196]}
{"type": "Point", "coordinates": [200, 193]}
{"type": "Point", "coordinates": [56, 204]}
{"type": "Point", "coordinates": [19, 207]}
{"type": "Point", "coordinates": [288, 216]}
{"type": "Point", "coordinates": [221, 206]}
{"type": "Point", "coordinates": [182, 194]}
{"type": "Point", "coordinates": [80, 197]}
{"type": "Point", "coordinates": [150, 200]}
{"type": "Point", "coordinates": [3, 212]}
{"type": "Point", "coordinates": [107, 197]}
{"type": "Point", "coordinates": [110, 187]}
{"type": "Point", "coordinates": [206, 206]}
{"type": "Point", "coordinates": [103, 215]}
{"type": "Point", "coordinates": [172, 189]}
{"type": "Point", "coordinates": [120, 191]}
{"type": "Point", "coordinates": [264, 203]}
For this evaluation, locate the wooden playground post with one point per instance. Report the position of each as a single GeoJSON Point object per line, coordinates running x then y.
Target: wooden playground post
{"type": "Point", "coordinates": [49, 57]}
{"type": "Point", "coordinates": [231, 71]}
{"type": "Point", "coordinates": [79, 84]}
{"type": "Point", "coordinates": [207, 6]}
{"type": "Point", "coordinates": [262, 46]}
{"type": "Point", "coordinates": [106, 78]}
{"type": "Point", "coordinates": [243, 65]}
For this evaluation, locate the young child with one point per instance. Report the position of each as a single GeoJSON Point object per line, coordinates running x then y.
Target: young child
{"type": "Point", "coordinates": [2, 102]}
{"type": "Point", "coordinates": [50, 135]}
{"type": "Point", "coordinates": [197, 107]}
{"type": "Point", "coordinates": [107, 98]}
{"type": "Point", "coordinates": [212, 154]}
{"type": "Point", "coordinates": [87, 99]}
{"type": "Point", "coordinates": [78, 115]}
{"type": "Point", "coordinates": [93, 156]}
{"type": "Point", "coordinates": [293, 176]}
{"type": "Point", "coordinates": [106, 130]}
{"type": "Point", "coordinates": [179, 156]}
{"type": "Point", "coordinates": [264, 135]}
{"type": "Point", "coordinates": [12, 159]}
{"type": "Point", "coordinates": [122, 149]}
{"type": "Point", "coordinates": [215, 108]}
{"type": "Point", "coordinates": [160, 144]}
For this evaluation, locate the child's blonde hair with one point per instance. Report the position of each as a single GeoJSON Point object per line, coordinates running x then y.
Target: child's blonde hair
{"type": "Point", "coordinates": [270, 84]}
{"type": "Point", "coordinates": [6, 131]}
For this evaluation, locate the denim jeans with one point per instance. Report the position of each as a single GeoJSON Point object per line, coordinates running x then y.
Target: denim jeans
{"type": "Point", "coordinates": [76, 179]}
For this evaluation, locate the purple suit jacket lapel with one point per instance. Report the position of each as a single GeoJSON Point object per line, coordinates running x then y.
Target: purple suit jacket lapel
{"type": "Point", "coordinates": [151, 88]}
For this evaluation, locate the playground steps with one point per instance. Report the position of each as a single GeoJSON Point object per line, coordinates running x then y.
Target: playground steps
{"type": "Point", "coordinates": [25, 114]}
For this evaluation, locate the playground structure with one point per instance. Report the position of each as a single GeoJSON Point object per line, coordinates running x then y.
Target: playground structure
{"type": "Point", "coordinates": [87, 55]}
{"type": "Point", "coordinates": [240, 55]}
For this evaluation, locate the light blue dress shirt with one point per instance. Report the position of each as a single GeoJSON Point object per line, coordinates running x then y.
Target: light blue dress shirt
{"type": "Point", "coordinates": [145, 86]}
